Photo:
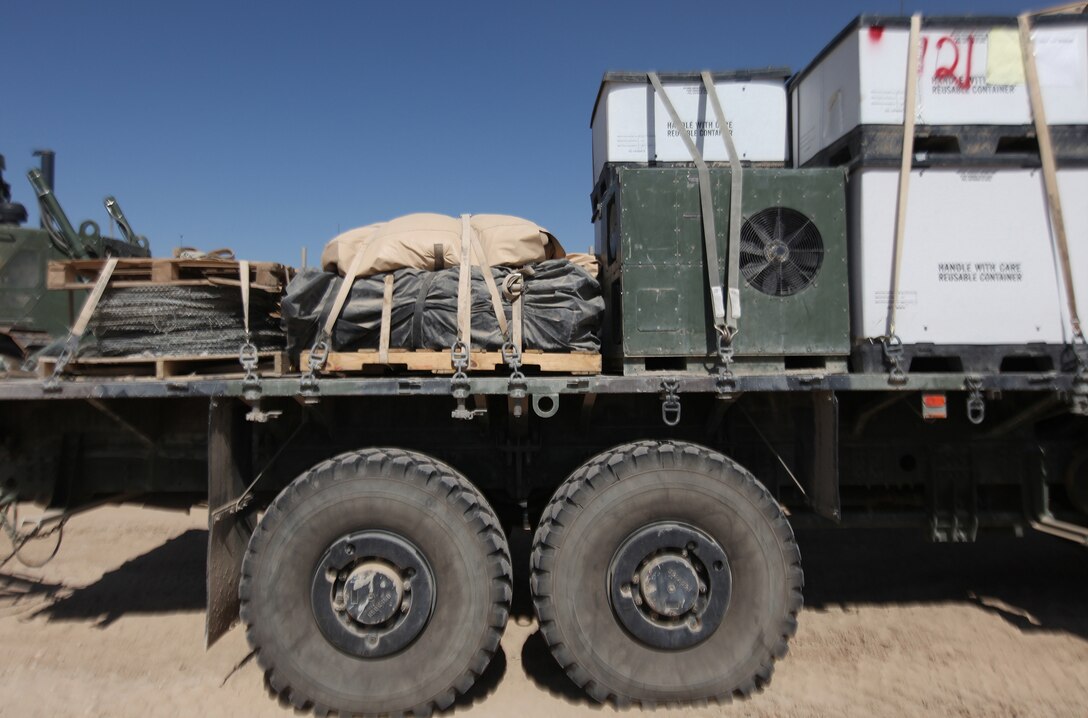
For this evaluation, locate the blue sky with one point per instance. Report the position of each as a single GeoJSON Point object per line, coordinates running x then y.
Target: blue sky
{"type": "Point", "coordinates": [269, 126]}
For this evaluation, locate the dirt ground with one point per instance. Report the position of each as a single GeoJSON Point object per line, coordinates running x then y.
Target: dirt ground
{"type": "Point", "coordinates": [892, 626]}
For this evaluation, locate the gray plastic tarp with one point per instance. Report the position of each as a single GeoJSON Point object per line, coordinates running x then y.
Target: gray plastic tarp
{"type": "Point", "coordinates": [562, 309]}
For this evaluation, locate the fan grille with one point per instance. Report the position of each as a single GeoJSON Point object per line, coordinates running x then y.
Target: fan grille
{"type": "Point", "coordinates": [780, 251]}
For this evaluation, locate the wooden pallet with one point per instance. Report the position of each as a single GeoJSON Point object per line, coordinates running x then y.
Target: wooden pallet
{"type": "Point", "coordinates": [437, 362]}
{"type": "Point", "coordinates": [760, 365]}
{"type": "Point", "coordinates": [168, 367]}
{"type": "Point", "coordinates": [82, 273]}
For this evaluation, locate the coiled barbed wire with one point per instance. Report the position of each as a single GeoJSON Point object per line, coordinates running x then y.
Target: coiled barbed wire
{"type": "Point", "coordinates": [164, 320]}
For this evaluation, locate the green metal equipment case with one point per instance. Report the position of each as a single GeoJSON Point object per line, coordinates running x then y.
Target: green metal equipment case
{"type": "Point", "coordinates": [793, 287]}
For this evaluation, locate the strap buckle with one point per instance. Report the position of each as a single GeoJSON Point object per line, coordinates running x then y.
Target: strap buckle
{"type": "Point", "coordinates": [319, 354]}
{"type": "Point", "coordinates": [726, 382]}
{"type": "Point", "coordinates": [247, 357]}
{"type": "Point", "coordinates": [976, 405]}
{"type": "Point", "coordinates": [459, 383]}
{"type": "Point", "coordinates": [67, 353]}
{"type": "Point", "coordinates": [670, 402]}
{"type": "Point", "coordinates": [517, 387]}
{"type": "Point", "coordinates": [893, 355]}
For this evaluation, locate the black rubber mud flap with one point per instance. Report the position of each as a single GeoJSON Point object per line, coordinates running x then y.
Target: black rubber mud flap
{"type": "Point", "coordinates": [825, 477]}
{"type": "Point", "coordinates": [229, 533]}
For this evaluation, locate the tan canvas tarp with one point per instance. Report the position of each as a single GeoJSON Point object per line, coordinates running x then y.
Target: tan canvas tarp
{"type": "Point", "coordinates": [433, 241]}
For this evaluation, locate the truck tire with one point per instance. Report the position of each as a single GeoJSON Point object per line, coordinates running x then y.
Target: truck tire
{"type": "Point", "coordinates": [377, 582]}
{"type": "Point", "coordinates": [664, 572]}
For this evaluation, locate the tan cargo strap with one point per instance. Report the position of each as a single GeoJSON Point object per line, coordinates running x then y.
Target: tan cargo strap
{"type": "Point", "coordinates": [513, 288]}
{"type": "Point", "coordinates": [319, 353]}
{"type": "Point", "coordinates": [1050, 170]}
{"type": "Point", "coordinates": [247, 354]}
{"type": "Point", "coordinates": [492, 289]}
{"type": "Point", "coordinates": [736, 209]}
{"type": "Point", "coordinates": [893, 345]}
{"type": "Point", "coordinates": [71, 344]}
{"type": "Point", "coordinates": [387, 320]}
{"type": "Point", "coordinates": [706, 208]}
{"type": "Point", "coordinates": [464, 286]}
{"type": "Point", "coordinates": [243, 276]}
{"type": "Point", "coordinates": [342, 295]}
{"type": "Point", "coordinates": [461, 351]}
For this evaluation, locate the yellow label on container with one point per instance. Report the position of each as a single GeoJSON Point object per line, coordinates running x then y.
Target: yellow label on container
{"type": "Point", "coordinates": [1004, 62]}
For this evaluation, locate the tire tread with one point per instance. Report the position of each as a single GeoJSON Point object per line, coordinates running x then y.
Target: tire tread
{"type": "Point", "coordinates": [591, 478]}
{"type": "Point", "coordinates": [433, 476]}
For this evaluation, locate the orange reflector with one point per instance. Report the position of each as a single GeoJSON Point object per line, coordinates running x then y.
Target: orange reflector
{"type": "Point", "coordinates": [934, 406]}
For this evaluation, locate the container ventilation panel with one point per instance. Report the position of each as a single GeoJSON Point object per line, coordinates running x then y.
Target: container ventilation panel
{"type": "Point", "coordinates": [780, 251]}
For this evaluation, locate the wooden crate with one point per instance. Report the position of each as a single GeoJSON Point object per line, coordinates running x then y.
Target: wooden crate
{"type": "Point", "coordinates": [438, 362]}
{"type": "Point", "coordinates": [82, 273]}
{"type": "Point", "coordinates": [168, 367]}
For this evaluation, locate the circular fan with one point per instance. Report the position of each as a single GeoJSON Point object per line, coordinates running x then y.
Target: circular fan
{"type": "Point", "coordinates": [780, 251]}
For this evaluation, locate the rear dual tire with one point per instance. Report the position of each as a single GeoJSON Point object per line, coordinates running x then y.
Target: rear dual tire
{"type": "Point", "coordinates": [665, 512]}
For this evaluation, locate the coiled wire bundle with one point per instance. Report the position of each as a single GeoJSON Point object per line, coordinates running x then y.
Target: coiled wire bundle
{"type": "Point", "coordinates": [160, 320]}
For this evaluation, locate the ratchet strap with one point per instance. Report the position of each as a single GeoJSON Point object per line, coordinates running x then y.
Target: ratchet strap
{"type": "Point", "coordinates": [706, 207]}
{"type": "Point", "coordinates": [492, 289]}
{"type": "Point", "coordinates": [92, 301]}
{"type": "Point", "coordinates": [471, 246]}
{"type": "Point", "coordinates": [909, 105]}
{"type": "Point", "coordinates": [71, 343]}
{"type": "Point", "coordinates": [341, 297]}
{"type": "Point", "coordinates": [1050, 169]}
{"type": "Point", "coordinates": [513, 289]}
{"type": "Point", "coordinates": [736, 207]}
{"type": "Point", "coordinates": [247, 353]}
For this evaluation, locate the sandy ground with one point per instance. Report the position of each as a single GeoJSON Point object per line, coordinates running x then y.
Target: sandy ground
{"type": "Point", "coordinates": [892, 626]}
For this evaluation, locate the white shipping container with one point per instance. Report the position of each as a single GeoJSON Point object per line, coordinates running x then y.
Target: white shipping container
{"type": "Point", "coordinates": [979, 265]}
{"type": "Point", "coordinates": [630, 123]}
{"type": "Point", "coordinates": [970, 73]}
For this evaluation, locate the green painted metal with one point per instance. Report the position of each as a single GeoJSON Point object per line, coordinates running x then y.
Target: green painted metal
{"type": "Point", "coordinates": [650, 236]}
{"type": "Point", "coordinates": [25, 304]}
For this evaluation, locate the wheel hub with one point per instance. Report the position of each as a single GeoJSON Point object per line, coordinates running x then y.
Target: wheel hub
{"type": "Point", "coordinates": [372, 593]}
{"type": "Point", "coordinates": [669, 585]}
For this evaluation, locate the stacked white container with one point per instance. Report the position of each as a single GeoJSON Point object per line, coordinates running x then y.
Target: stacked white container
{"type": "Point", "coordinates": [980, 284]}
{"type": "Point", "coordinates": [631, 126]}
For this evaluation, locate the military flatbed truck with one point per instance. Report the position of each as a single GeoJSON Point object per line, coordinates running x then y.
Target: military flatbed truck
{"type": "Point", "coordinates": [361, 530]}
{"type": "Point", "coordinates": [358, 524]}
